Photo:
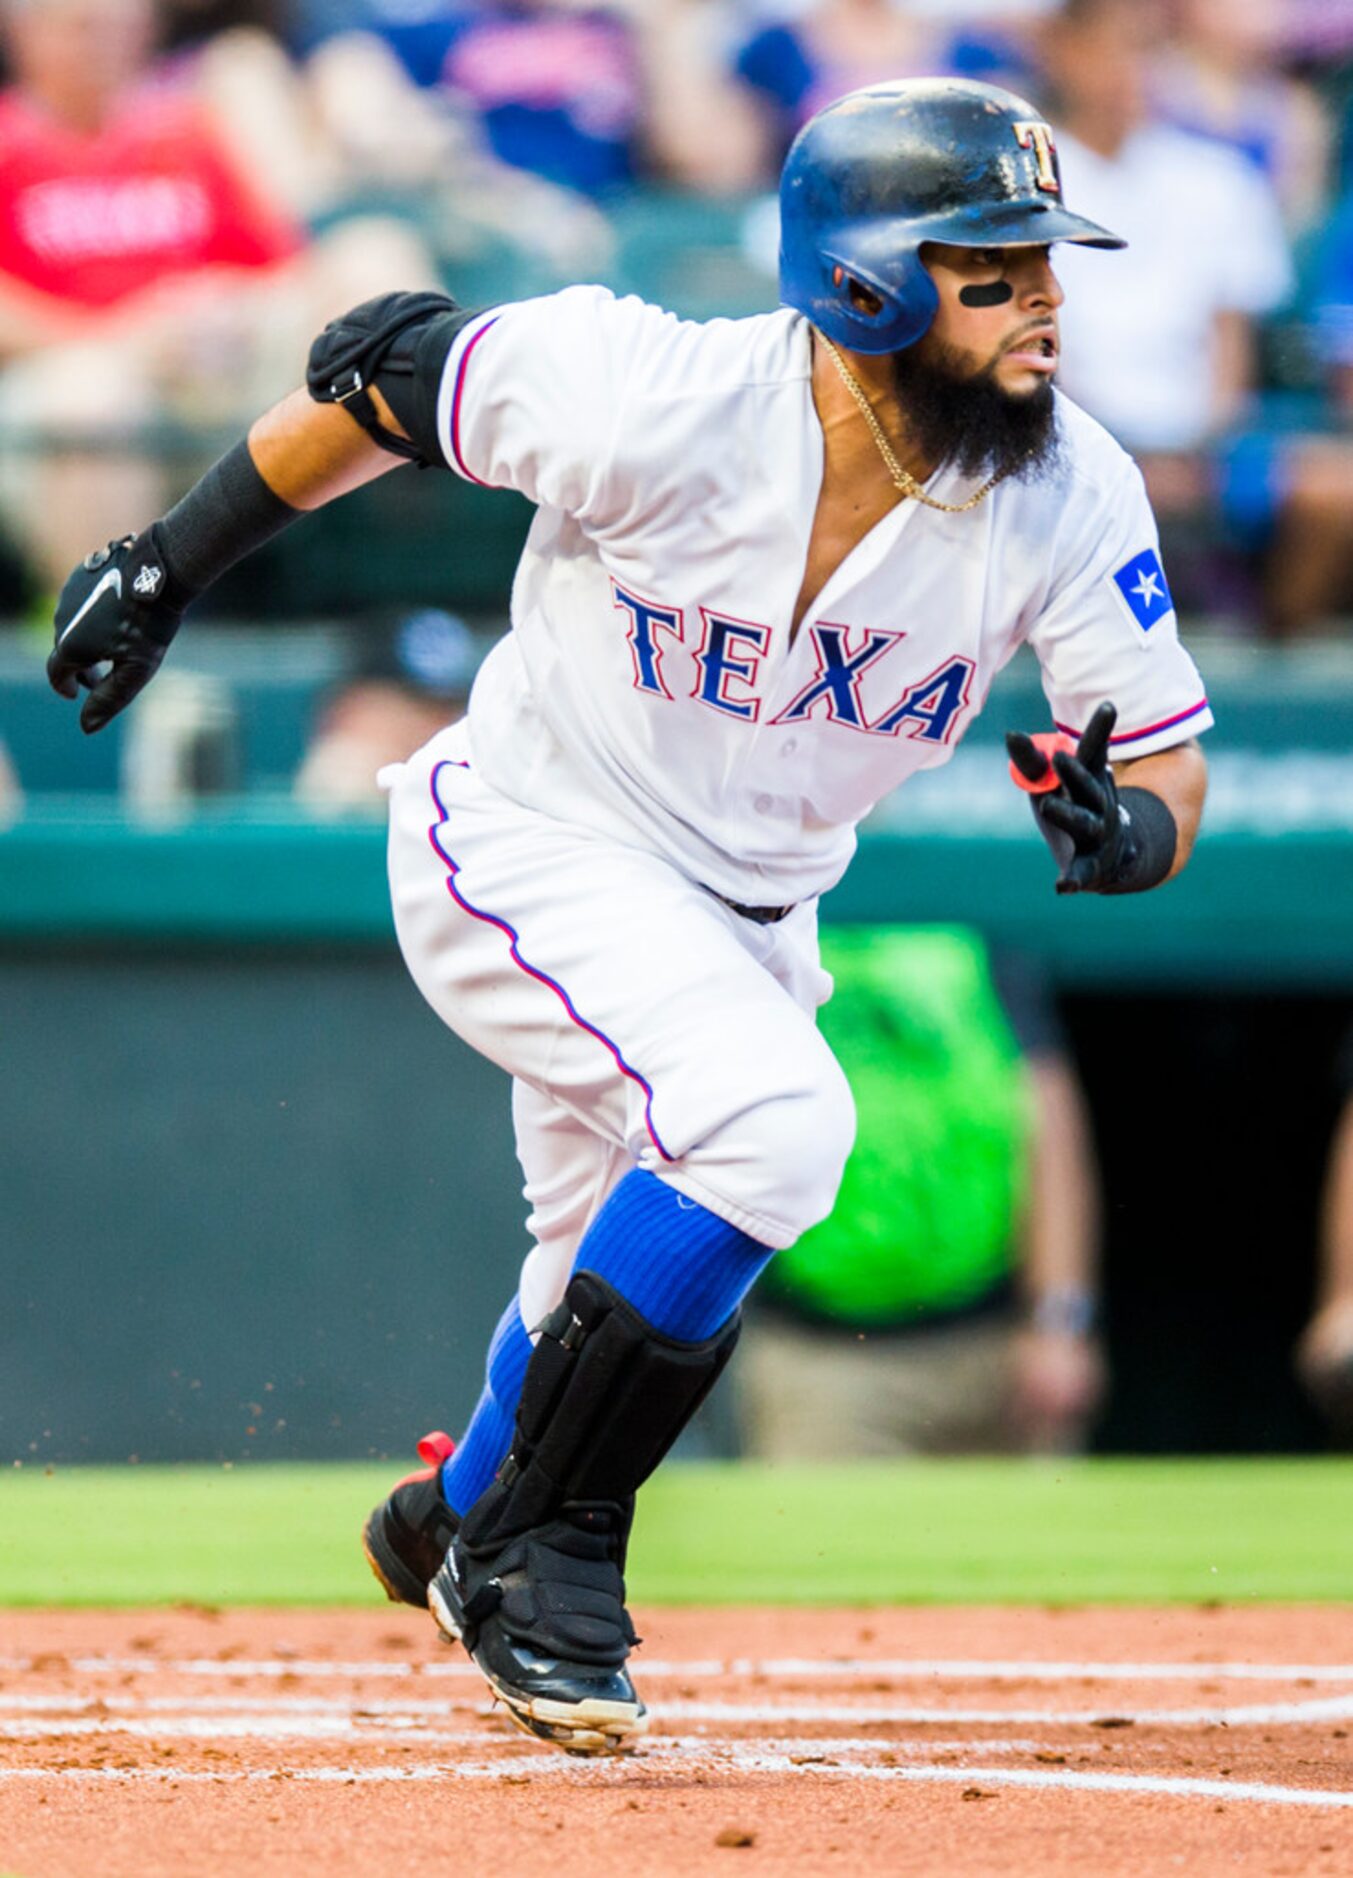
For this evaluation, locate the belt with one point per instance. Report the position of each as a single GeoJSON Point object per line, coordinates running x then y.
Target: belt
{"type": "Point", "coordinates": [759, 915]}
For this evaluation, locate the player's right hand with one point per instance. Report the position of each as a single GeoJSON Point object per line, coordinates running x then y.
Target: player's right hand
{"type": "Point", "coordinates": [114, 622]}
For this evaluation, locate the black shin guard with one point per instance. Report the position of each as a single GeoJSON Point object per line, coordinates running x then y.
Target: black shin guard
{"type": "Point", "coordinates": [605, 1396]}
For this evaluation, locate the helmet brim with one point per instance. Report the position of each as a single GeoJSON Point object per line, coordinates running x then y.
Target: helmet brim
{"type": "Point", "coordinates": [1020, 225]}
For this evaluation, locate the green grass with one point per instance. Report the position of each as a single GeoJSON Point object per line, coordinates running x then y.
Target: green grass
{"type": "Point", "coordinates": [912, 1532]}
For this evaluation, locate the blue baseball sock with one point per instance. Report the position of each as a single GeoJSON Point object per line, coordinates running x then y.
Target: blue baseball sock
{"type": "Point", "coordinates": [489, 1435]}
{"type": "Point", "coordinates": [682, 1268]}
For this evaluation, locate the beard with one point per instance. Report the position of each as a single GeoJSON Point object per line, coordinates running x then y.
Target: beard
{"type": "Point", "coordinates": [962, 418]}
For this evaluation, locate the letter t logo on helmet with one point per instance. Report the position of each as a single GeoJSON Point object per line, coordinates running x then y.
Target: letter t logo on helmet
{"type": "Point", "coordinates": [1039, 138]}
{"type": "Point", "coordinates": [881, 171]}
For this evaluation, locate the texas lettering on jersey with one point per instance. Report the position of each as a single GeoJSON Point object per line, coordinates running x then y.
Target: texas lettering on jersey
{"type": "Point", "coordinates": [729, 654]}
{"type": "Point", "coordinates": [675, 467]}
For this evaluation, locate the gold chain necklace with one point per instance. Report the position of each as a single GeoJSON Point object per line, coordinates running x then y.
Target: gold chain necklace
{"type": "Point", "coordinates": [902, 479]}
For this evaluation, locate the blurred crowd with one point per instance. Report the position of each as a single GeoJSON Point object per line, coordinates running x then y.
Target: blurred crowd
{"type": "Point", "coordinates": [188, 188]}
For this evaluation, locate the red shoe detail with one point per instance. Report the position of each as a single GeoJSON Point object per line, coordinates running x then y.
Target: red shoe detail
{"type": "Point", "coordinates": [434, 1449]}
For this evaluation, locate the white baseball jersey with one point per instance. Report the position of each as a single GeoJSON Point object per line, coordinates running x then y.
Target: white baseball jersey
{"type": "Point", "coordinates": [651, 689]}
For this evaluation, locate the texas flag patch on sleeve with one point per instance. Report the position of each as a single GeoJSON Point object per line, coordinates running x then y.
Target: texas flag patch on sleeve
{"type": "Point", "coordinates": [1144, 591]}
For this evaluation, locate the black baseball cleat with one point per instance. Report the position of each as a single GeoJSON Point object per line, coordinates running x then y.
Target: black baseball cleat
{"type": "Point", "coordinates": [407, 1536]}
{"type": "Point", "coordinates": [534, 1582]}
{"type": "Point", "coordinates": [543, 1616]}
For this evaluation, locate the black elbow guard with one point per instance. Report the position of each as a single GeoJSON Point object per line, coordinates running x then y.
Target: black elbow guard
{"type": "Point", "coordinates": [399, 343]}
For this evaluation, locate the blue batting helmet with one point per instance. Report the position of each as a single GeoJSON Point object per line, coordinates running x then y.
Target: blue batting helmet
{"type": "Point", "coordinates": [884, 169]}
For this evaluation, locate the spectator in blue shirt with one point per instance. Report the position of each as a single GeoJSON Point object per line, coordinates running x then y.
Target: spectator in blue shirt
{"type": "Point", "coordinates": [796, 65]}
{"type": "Point", "coordinates": [1221, 75]}
{"type": "Point", "coordinates": [557, 88]}
{"type": "Point", "coordinates": [1314, 550]}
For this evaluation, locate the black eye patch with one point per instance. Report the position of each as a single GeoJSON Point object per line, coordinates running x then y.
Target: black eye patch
{"type": "Point", "coordinates": [996, 293]}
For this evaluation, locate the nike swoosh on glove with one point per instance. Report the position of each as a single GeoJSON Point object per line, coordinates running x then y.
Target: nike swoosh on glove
{"type": "Point", "coordinates": [115, 620]}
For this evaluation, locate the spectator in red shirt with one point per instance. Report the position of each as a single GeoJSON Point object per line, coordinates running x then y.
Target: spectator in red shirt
{"type": "Point", "coordinates": [142, 277]}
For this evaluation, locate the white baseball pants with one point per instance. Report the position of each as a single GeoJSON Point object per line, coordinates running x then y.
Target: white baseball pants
{"type": "Point", "coordinates": [644, 1023]}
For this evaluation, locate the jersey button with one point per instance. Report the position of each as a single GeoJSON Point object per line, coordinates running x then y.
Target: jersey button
{"type": "Point", "coordinates": [764, 804]}
{"type": "Point", "coordinates": [789, 746]}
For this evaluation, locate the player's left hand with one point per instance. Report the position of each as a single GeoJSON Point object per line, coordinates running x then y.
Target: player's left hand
{"type": "Point", "coordinates": [1075, 803]}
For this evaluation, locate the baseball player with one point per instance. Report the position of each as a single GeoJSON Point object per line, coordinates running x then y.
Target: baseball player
{"type": "Point", "coordinates": [775, 565]}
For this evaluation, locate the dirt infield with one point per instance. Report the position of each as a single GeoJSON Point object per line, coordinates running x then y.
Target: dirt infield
{"type": "Point", "coordinates": [268, 1744]}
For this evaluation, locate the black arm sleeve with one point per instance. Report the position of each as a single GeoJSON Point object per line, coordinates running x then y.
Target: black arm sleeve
{"type": "Point", "coordinates": [226, 515]}
{"type": "Point", "coordinates": [399, 343]}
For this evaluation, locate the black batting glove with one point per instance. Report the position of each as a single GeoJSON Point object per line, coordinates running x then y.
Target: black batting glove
{"type": "Point", "coordinates": [1081, 819]}
{"type": "Point", "coordinates": [115, 619]}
